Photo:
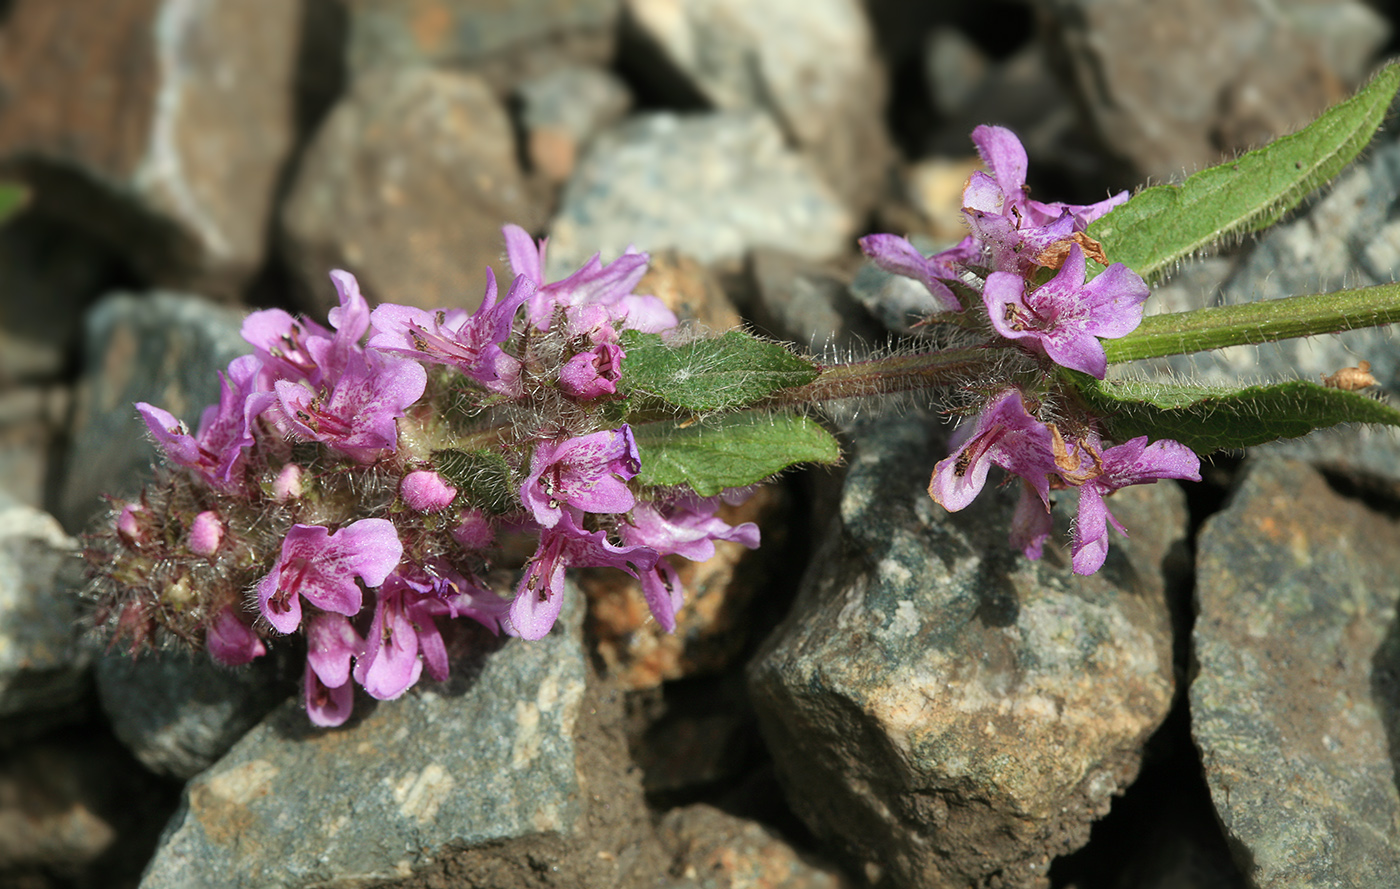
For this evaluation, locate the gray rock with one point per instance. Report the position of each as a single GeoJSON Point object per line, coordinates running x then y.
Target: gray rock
{"type": "Point", "coordinates": [504, 42]}
{"type": "Point", "coordinates": [562, 110]}
{"type": "Point", "coordinates": [48, 275]}
{"type": "Point", "coordinates": [1296, 706]}
{"type": "Point", "coordinates": [810, 65]}
{"type": "Point", "coordinates": [161, 125]}
{"type": "Point", "coordinates": [407, 185]}
{"type": "Point", "coordinates": [715, 850]}
{"type": "Point", "coordinates": [162, 348]}
{"type": "Point", "coordinates": [802, 302]}
{"type": "Point", "coordinates": [478, 770]}
{"type": "Point", "coordinates": [710, 185]}
{"type": "Point", "coordinates": [178, 712]}
{"type": "Point", "coordinates": [43, 666]}
{"type": "Point", "coordinates": [1173, 88]}
{"type": "Point", "coordinates": [942, 710]}
{"type": "Point", "coordinates": [33, 421]}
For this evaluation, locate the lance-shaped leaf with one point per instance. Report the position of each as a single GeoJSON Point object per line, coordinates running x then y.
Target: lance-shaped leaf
{"type": "Point", "coordinates": [1264, 321]}
{"type": "Point", "coordinates": [730, 451]}
{"type": "Point", "coordinates": [1212, 418]}
{"type": "Point", "coordinates": [1164, 224]}
{"type": "Point", "coordinates": [726, 372]}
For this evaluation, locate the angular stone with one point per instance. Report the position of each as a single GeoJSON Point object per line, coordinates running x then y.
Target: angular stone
{"type": "Point", "coordinates": [1296, 705]}
{"type": "Point", "coordinates": [504, 42]}
{"type": "Point", "coordinates": [810, 65]}
{"type": "Point", "coordinates": [562, 110]}
{"type": "Point", "coordinates": [407, 185]}
{"type": "Point", "coordinates": [710, 185]}
{"type": "Point", "coordinates": [178, 712]}
{"type": "Point", "coordinates": [716, 849]}
{"type": "Point", "coordinates": [163, 348]}
{"type": "Point", "coordinates": [43, 665]}
{"type": "Point", "coordinates": [1175, 87]}
{"type": "Point", "coordinates": [33, 428]}
{"type": "Point", "coordinates": [804, 303]}
{"type": "Point", "coordinates": [941, 709]}
{"type": "Point", "coordinates": [485, 774]}
{"type": "Point", "coordinates": [162, 125]}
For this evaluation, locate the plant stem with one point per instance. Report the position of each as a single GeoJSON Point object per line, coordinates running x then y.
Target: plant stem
{"type": "Point", "coordinates": [1258, 322]}
{"type": "Point", "coordinates": [883, 376]}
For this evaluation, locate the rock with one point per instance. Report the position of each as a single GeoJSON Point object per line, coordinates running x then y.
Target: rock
{"type": "Point", "coordinates": [710, 185]}
{"type": "Point", "coordinates": [162, 348]}
{"type": "Point", "coordinates": [43, 666]}
{"type": "Point", "coordinates": [49, 273]}
{"type": "Point", "coordinates": [178, 712]}
{"type": "Point", "coordinates": [506, 768]}
{"type": "Point", "coordinates": [1173, 88]}
{"type": "Point", "coordinates": [562, 110]}
{"type": "Point", "coordinates": [407, 185]}
{"type": "Point", "coordinates": [1296, 704]}
{"type": "Point", "coordinates": [74, 811]}
{"type": "Point", "coordinates": [807, 304]}
{"type": "Point", "coordinates": [160, 125]}
{"type": "Point", "coordinates": [691, 290]}
{"type": "Point", "coordinates": [715, 850]}
{"type": "Point", "coordinates": [1347, 239]}
{"type": "Point", "coordinates": [944, 712]}
{"type": "Point", "coordinates": [504, 42]}
{"type": "Point", "coordinates": [811, 66]}
{"type": "Point", "coordinates": [33, 422]}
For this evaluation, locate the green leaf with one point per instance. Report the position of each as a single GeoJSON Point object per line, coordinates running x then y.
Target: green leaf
{"type": "Point", "coordinates": [1212, 418]}
{"type": "Point", "coordinates": [730, 451]}
{"type": "Point", "coordinates": [482, 476]}
{"type": "Point", "coordinates": [1167, 223]}
{"type": "Point", "coordinates": [726, 372]}
{"type": "Point", "coordinates": [1265, 321]}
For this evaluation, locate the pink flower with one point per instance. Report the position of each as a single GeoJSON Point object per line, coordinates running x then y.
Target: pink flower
{"type": "Point", "coordinates": [470, 343]}
{"type": "Point", "coordinates": [897, 256]}
{"type": "Point", "coordinates": [426, 491]}
{"type": "Point", "coordinates": [1134, 462]}
{"type": "Point", "coordinates": [1064, 317]}
{"type": "Point", "coordinates": [592, 374]}
{"type": "Point", "coordinates": [232, 642]}
{"type": "Point", "coordinates": [322, 567]}
{"type": "Point", "coordinates": [1005, 435]}
{"type": "Point", "coordinates": [588, 473]}
{"type": "Point", "coordinates": [609, 286]}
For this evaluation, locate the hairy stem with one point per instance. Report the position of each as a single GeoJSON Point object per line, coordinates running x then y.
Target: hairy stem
{"type": "Point", "coordinates": [1259, 322]}
{"type": "Point", "coordinates": [883, 376]}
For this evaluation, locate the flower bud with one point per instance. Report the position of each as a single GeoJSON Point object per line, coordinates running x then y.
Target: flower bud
{"type": "Point", "coordinates": [206, 533]}
{"type": "Point", "coordinates": [426, 491]}
{"type": "Point", "coordinates": [288, 483]}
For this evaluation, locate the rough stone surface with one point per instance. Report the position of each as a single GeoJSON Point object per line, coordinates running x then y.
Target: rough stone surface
{"type": "Point", "coordinates": [42, 663]}
{"type": "Point", "coordinates": [487, 762]}
{"type": "Point", "coordinates": [505, 42]}
{"type": "Point", "coordinates": [178, 712]}
{"type": "Point", "coordinates": [160, 124]}
{"type": "Point", "coordinates": [562, 110]}
{"type": "Point", "coordinates": [807, 304]}
{"type": "Point", "coordinates": [1175, 86]}
{"type": "Point", "coordinates": [33, 421]}
{"type": "Point", "coordinates": [1296, 706]}
{"type": "Point", "coordinates": [1349, 238]}
{"type": "Point", "coordinates": [714, 850]}
{"type": "Point", "coordinates": [407, 185]}
{"type": "Point", "coordinates": [941, 709]}
{"type": "Point", "coordinates": [712, 185]}
{"type": "Point", "coordinates": [810, 65]}
{"type": "Point", "coordinates": [48, 274]}
{"type": "Point", "coordinates": [160, 347]}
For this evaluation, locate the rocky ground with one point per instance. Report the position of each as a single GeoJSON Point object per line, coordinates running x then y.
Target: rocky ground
{"type": "Point", "coordinates": [884, 694]}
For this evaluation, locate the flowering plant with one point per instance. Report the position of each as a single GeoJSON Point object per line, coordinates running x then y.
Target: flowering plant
{"type": "Point", "coordinates": [356, 483]}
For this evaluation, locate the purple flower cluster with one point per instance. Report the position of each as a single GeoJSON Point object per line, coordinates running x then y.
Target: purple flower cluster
{"type": "Point", "coordinates": [336, 490]}
{"type": "Point", "coordinates": [1052, 320]}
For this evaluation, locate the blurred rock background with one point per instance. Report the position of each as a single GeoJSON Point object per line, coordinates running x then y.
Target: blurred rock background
{"type": "Point", "coordinates": [883, 694]}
